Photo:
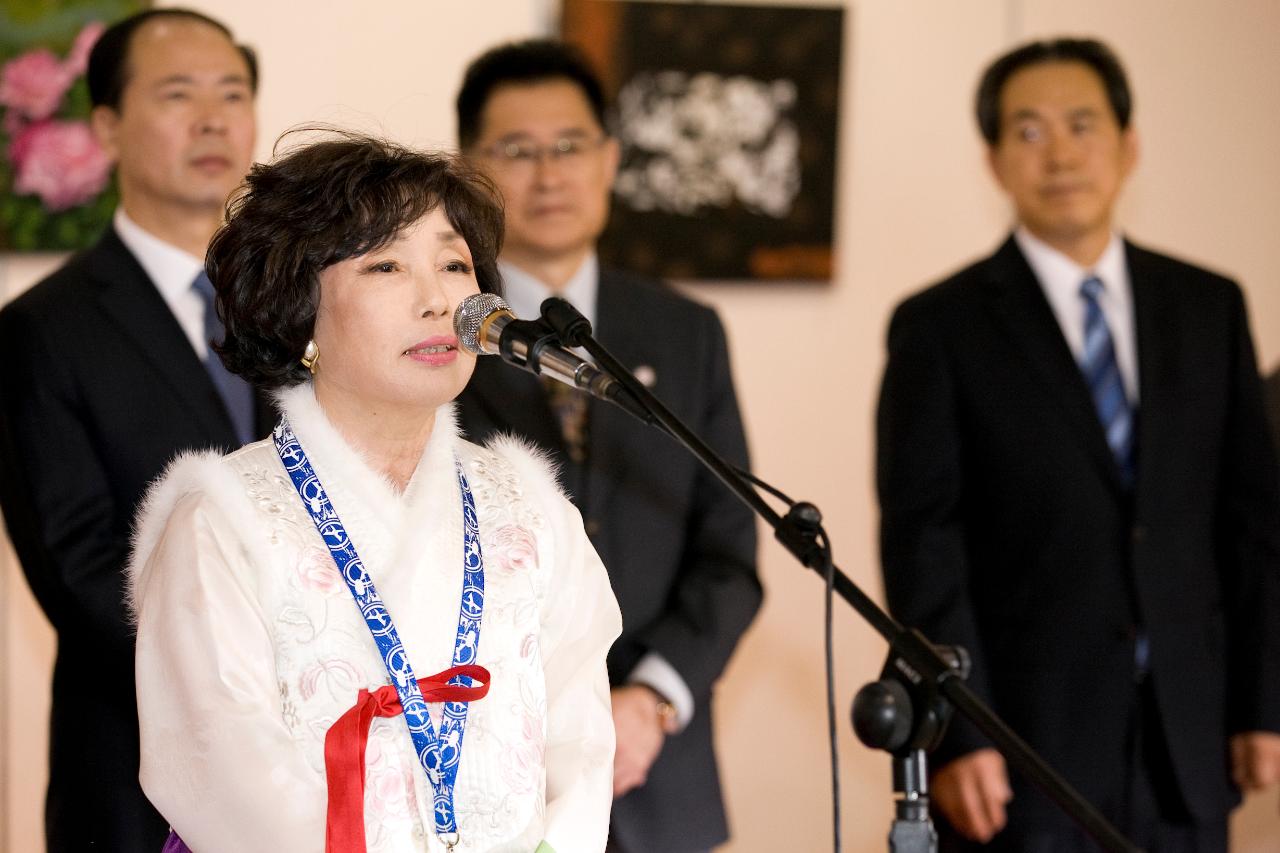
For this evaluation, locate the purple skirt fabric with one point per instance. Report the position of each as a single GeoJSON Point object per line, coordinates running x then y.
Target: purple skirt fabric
{"type": "Point", "coordinates": [173, 844]}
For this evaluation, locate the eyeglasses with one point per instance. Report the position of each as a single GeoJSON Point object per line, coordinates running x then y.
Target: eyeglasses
{"type": "Point", "coordinates": [567, 150]}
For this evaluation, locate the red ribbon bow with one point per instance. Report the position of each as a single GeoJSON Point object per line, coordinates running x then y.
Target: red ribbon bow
{"type": "Point", "coordinates": [344, 747]}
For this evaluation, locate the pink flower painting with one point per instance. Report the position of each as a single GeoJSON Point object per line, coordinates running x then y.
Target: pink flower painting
{"type": "Point", "coordinates": [32, 85]}
{"type": "Point", "coordinates": [78, 58]}
{"type": "Point", "coordinates": [55, 180]}
{"type": "Point", "coordinates": [60, 162]}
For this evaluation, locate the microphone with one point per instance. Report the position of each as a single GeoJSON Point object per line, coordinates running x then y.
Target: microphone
{"type": "Point", "coordinates": [485, 325]}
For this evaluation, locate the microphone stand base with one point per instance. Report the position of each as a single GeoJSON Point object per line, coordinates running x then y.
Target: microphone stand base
{"type": "Point", "coordinates": [913, 836]}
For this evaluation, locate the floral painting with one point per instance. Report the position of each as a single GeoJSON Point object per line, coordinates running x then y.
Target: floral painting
{"type": "Point", "coordinates": [56, 191]}
{"type": "Point", "coordinates": [727, 115]}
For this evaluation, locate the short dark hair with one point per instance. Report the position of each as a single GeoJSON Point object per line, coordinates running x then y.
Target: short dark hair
{"type": "Point", "coordinates": [319, 204]}
{"type": "Point", "coordinates": [108, 70]}
{"type": "Point", "coordinates": [1091, 52]}
{"type": "Point", "coordinates": [523, 63]}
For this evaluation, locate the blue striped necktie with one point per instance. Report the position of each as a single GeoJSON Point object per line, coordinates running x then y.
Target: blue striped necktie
{"type": "Point", "coordinates": [1102, 374]}
{"type": "Point", "coordinates": [236, 394]}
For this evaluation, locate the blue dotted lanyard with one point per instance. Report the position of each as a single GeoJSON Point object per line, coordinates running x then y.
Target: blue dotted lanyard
{"type": "Point", "coordinates": [440, 754]}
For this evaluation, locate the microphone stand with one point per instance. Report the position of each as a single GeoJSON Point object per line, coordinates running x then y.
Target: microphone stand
{"type": "Point", "coordinates": [907, 710]}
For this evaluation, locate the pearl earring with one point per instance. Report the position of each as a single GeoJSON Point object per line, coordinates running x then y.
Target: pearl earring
{"type": "Point", "coordinates": [310, 356]}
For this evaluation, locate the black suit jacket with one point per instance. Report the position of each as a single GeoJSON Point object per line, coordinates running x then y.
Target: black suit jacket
{"type": "Point", "coordinates": [1005, 527]}
{"type": "Point", "coordinates": [1271, 398]}
{"type": "Point", "coordinates": [680, 549]}
{"type": "Point", "coordinates": [99, 388]}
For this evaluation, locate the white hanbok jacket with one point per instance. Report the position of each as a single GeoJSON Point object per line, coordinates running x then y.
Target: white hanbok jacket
{"type": "Point", "coordinates": [250, 646]}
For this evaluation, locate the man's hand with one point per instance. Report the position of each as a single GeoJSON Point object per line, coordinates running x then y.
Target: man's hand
{"type": "Point", "coordinates": [1255, 760]}
{"type": "Point", "coordinates": [640, 735]}
{"type": "Point", "coordinates": [972, 791]}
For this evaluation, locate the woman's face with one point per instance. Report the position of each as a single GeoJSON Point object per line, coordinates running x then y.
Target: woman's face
{"type": "Point", "coordinates": [384, 325]}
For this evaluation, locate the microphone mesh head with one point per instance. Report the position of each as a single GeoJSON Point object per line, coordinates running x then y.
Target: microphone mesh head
{"type": "Point", "coordinates": [470, 314]}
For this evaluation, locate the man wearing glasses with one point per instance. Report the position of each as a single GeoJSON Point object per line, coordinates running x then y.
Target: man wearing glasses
{"type": "Point", "coordinates": [679, 547]}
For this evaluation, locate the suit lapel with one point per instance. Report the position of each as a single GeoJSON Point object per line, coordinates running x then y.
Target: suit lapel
{"type": "Point", "coordinates": [617, 330]}
{"type": "Point", "coordinates": [131, 302]}
{"type": "Point", "coordinates": [515, 401]}
{"type": "Point", "coordinates": [1156, 360]}
{"type": "Point", "coordinates": [1021, 308]}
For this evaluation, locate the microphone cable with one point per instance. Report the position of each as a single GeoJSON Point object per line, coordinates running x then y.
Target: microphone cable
{"type": "Point", "coordinates": [829, 574]}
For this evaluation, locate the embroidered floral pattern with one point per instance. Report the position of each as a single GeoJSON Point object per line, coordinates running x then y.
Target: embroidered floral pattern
{"type": "Point", "coordinates": [522, 770]}
{"type": "Point", "coordinates": [288, 710]}
{"type": "Point", "coordinates": [324, 654]}
{"type": "Point", "coordinates": [389, 795]}
{"type": "Point", "coordinates": [497, 489]}
{"type": "Point", "coordinates": [339, 677]}
{"type": "Point", "coordinates": [514, 549]}
{"type": "Point", "coordinates": [316, 572]}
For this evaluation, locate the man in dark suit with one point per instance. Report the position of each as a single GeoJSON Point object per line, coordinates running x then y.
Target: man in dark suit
{"type": "Point", "coordinates": [1271, 396]}
{"type": "Point", "coordinates": [1077, 485]}
{"type": "Point", "coordinates": [679, 548]}
{"type": "Point", "coordinates": [102, 382]}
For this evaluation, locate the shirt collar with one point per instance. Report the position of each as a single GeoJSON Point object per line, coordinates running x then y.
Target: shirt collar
{"type": "Point", "coordinates": [525, 293]}
{"type": "Point", "coordinates": [1111, 267]}
{"type": "Point", "coordinates": [170, 269]}
{"type": "Point", "coordinates": [1056, 271]}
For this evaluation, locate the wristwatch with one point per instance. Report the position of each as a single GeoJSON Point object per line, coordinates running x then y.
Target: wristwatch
{"type": "Point", "coordinates": [668, 716]}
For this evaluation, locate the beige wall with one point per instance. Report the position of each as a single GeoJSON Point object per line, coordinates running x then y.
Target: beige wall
{"type": "Point", "coordinates": [914, 203]}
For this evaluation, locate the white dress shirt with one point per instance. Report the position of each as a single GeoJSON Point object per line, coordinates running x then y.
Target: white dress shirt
{"type": "Point", "coordinates": [525, 294]}
{"type": "Point", "coordinates": [1060, 279]}
{"type": "Point", "coordinates": [172, 271]}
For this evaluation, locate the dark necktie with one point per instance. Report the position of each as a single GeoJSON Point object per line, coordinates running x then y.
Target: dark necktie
{"type": "Point", "coordinates": [236, 394]}
{"type": "Point", "coordinates": [1102, 374]}
{"type": "Point", "coordinates": [570, 408]}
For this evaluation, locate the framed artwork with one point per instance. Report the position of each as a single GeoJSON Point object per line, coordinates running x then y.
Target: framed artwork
{"type": "Point", "coordinates": [727, 116]}
{"type": "Point", "coordinates": [56, 191]}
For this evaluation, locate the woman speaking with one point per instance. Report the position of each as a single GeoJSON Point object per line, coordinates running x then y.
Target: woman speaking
{"type": "Point", "coordinates": [365, 632]}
